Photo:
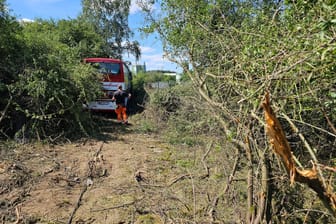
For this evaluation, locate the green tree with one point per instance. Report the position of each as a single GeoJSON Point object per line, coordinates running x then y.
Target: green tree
{"type": "Point", "coordinates": [45, 79]}
{"type": "Point", "coordinates": [11, 48]}
{"type": "Point", "coordinates": [10, 45]}
{"type": "Point", "coordinates": [80, 35]}
{"type": "Point", "coordinates": [55, 84]}
{"type": "Point", "coordinates": [110, 19]}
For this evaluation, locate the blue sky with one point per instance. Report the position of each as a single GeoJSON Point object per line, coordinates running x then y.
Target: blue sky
{"type": "Point", "coordinates": [151, 47]}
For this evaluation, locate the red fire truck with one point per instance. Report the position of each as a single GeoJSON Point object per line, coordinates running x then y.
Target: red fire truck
{"type": "Point", "coordinates": [114, 72]}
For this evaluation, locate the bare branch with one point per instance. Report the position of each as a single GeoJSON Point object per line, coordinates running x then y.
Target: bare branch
{"type": "Point", "coordinates": [3, 113]}
{"type": "Point", "coordinates": [281, 147]}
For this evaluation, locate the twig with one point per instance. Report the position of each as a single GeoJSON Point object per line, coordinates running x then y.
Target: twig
{"type": "Point", "coordinates": [258, 118]}
{"type": "Point", "coordinates": [99, 150]}
{"type": "Point", "coordinates": [332, 169]}
{"type": "Point", "coordinates": [331, 125]}
{"type": "Point", "coordinates": [53, 140]}
{"type": "Point", "coordinates": [77, 204]}
{"type": "Point", "coordinates": [18, 214]}
{"type": "Point", "coordinates": [3, 113]}
{"type": "Point", "coordinates": [315, 127]}
{"type": "Point", "coordinates": [152, 185]}
{"type": "Point", "coordinates": [182, 177]}
{"type": "Point", "coordinates": [207, 172]}
{"type": "Point", "coordinates": [249, 156]}
{"type": "Point", "coordinates": [305, 142]}
{"type": "Point", "coordinates": [194, 196]}
{"type": "Point", "coordinates": [277, 75]}
{"type": "Point", "coordinates": [2, 132]}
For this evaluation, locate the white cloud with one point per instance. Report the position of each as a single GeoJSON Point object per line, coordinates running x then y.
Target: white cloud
{"type": "Point", "coordinates": [25, 20]}
{"type": "Point", "coordinates": [136, 5]}
{"type": "Point", "coordinates": [152, 59]}
{"type": "Point", "coordinates": [43, 1]}
{"type": "Point", "coordinates": [157, 62]}
{"type": "Point", "coordinates": [145, 49]}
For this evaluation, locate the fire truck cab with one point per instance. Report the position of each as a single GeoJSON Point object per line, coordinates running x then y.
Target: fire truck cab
{"type": "Point", "coordinates": [114, 72]}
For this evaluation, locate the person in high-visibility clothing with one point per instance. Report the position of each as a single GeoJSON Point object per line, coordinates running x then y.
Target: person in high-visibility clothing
{"type": "Point", "coordinates": [121, 98]}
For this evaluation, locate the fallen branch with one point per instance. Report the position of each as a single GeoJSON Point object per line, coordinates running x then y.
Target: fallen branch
{"type": "Point", "coordinates": [18, 213]}
{"type": "Point", "coordinates": [78, 203]}
{"type": "Point", "coordinates": [281, 147]}
{"type": "Point", "coordinates": [331, 125]}
{"type": "Point", "coordinates": [177, 179]}
{"type": "Point", "coordinates": [3, 113]}
{"type": "Point", "coordinates": [332, 169]}
{"type": "Point", "coordinates": [207, 171]}
{"type": "Point", "coordinates": [250, 212]}
{"type": "Point", "coordinates": [88, 182]}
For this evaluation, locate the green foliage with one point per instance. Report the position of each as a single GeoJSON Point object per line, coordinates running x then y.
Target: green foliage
{"type": "Point", "coordinates": [110, 20]}
{"type": "Point", "coordinates": [43, 80]}
{"type": "Point", "coordinates": [140, 94]}
{"type": "Point", "coordinates": [142, 80]}
{"type": "Point", "coordinates": [235, 51]}
{"type": "Point", "coordinates": [82, 36]}
{"type": "Point", "coordinates": [146, 126]}
{"type": "Point", "coordinates": [167, 99]}
{"type": "Point", "coordinates": [11, 49]}
{"type": "Point", "coordinates": [49, 83]}
{"type": "Point", "coordinates": [180, 115]}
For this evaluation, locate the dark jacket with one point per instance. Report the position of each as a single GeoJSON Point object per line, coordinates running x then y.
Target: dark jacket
{"type": "Point", "coordinates": [120, 97]}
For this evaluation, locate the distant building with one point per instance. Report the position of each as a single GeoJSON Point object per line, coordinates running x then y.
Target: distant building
{"type": "Point", "coordinates": [138, 68]}
{"type": "Point", "coordinates": [177, 76]}
{"type": "Point", "coordinates": [158, 85]}
{"type": "Point", "coordinates": [168, 73]}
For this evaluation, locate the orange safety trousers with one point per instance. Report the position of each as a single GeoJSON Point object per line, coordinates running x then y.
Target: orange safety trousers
{"type": "Point", "coordinates": [121, 113]}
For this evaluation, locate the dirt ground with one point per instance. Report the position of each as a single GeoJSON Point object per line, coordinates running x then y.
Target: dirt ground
{"type": "Point", "coordinates": [87, 181]}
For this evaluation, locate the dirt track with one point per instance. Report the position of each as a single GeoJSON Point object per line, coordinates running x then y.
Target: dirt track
{"type": "Point", "coordinates": [90, 181]}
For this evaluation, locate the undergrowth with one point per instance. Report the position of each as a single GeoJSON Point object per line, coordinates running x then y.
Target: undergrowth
{"type": "Point", "coordinates": [211, 182]}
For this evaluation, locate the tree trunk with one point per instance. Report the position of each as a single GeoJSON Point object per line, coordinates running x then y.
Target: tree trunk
{"type": "Point", "coordinates": [263, 195]}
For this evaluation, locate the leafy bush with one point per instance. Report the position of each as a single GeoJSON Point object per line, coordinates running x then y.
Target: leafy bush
{"type": "Point", "coordinates": [141, 81]}
{"type": "Point", "coordinates": [181, 115]}
{"type": "Point", "coordinates": [51, 83]}
{"type": "Point", "coordinates": [236, 51]}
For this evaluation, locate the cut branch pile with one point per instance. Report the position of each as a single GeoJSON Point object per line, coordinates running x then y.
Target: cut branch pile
{"type": "Point", "coordinates": [281, 147]}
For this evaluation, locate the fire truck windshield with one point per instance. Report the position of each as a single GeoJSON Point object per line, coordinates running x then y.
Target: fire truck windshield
{"type": "Point", "coordinates": [108, 68]}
